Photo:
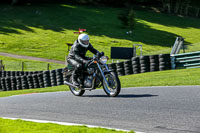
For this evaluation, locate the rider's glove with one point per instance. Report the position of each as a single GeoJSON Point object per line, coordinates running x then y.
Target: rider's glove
{"type": "Point", "coordinates": [100, 54]}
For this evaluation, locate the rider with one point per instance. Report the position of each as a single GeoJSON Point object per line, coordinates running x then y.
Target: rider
{"type": "Point", "coordinates": [77, 57]}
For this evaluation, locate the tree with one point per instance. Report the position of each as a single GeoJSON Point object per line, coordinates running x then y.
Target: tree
{"type": "Point", "coordinates": [14, 2]}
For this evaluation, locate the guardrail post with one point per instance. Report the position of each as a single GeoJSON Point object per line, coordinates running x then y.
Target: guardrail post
{"type": "Point", "coordinates": [173, 62]}
{"type": "Point", "coordinates": [22, 66]}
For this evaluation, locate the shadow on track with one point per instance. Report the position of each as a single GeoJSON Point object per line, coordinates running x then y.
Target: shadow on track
{"type": "Point", "coordinates": [125, 96]}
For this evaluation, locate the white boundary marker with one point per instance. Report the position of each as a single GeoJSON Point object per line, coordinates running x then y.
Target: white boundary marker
{"type": "Point", "coordinates": [68, 124]}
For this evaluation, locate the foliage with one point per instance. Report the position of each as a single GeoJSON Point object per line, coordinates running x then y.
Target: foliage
{"type": "Point", "coordinates": [127, 18]}
{"type": "Point", "coordinates": [131, 19]}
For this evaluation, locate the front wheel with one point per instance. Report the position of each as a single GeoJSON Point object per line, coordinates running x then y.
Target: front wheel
{"type": "Point", "coordinates": [76, 91]}
{"type": "Point", "coordinates": [114, 87]}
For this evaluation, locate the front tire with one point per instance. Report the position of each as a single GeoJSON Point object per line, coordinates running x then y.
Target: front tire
{"type": "Point", "coordinates": [114, 86]}
{"type": "Point", "coordinates": [76, 91]}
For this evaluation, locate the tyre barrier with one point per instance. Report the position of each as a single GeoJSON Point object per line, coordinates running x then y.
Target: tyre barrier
{"type": "Point", "coordinates": [154, 63]}
{"type": "Point", "coordinates": [142, 64]}
{"type": "Point", "coordinates": [120, 68]}
{"type": "Point", "coordinates": [18, 80]}
{"type": "Point", "coordinates": [128, 69]}
{"type": "Point", "coordinates": [164, 62]}
{"type": "Point", "coordinates": [136, 65]}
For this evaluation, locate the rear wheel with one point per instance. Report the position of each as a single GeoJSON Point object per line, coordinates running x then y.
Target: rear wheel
{"type": "Point", "coordinates": [114, 87]}
{"type": "Point", "coordinates": [76, 91]}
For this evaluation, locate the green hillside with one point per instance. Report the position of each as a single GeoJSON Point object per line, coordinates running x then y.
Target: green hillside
{"type": "Point", "coordinates": [44, 30]}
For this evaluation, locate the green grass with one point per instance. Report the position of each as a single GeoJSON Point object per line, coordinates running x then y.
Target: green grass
{"type": "Point", "coordinates": [163, 78]}
{"type": "Point", "coordinates": [20, 126]}
{"type": "Point", "coordinates": [14, 64]}
{"type": "Point", "coordinates": [37, 30]}
{"type": "Point", "coordinates": [39, 90]}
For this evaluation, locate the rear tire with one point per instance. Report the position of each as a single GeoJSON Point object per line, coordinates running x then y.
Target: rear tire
{"type": "Point", "coordinates": [76, 91]}
{"type": "Point", "coordinates": [114, 87]}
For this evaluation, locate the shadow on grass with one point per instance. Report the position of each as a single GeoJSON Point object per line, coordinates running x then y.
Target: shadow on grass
{"type": "Point", "coordinates": [125, 95]}
{"type": "Point", "coordinates": [98, 21]}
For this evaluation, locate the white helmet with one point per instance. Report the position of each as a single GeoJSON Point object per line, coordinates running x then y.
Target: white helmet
{"type": "Point", "coordinates": [83, 40]}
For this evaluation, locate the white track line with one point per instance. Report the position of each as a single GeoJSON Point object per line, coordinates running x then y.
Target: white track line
{"type": "Point", "coordinates": [68, 124]}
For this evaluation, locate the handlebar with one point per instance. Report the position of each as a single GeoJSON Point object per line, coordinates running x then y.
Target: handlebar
{"type": "Point", "coordinates": [96, 57]}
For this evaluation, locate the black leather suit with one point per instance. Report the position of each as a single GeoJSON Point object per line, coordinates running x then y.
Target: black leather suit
{"type": "Point", "coordinates": [77, 56]}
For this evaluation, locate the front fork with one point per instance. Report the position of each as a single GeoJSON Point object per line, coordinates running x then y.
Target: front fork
{"type": "Point", "coordinates": [102, 73]}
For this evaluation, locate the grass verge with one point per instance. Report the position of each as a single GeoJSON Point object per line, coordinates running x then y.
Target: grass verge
{"type": "Point", "coordinates": [163, 78]}
{"type": "Point", "coordinates": [20, 126]}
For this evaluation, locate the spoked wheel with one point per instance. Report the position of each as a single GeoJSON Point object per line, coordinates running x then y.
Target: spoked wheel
{"type": "Point", "coordinates": [76, 91]}
{"type": "Point", "coordinates": [114, 87]}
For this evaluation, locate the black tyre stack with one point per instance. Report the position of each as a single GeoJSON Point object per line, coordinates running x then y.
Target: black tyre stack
{"type": "Point", "coordinates": [144, 64]}
{"type": "Point", "coordinates": [53, 77]}
{"type": "Point", "coordinates": [13, 83]}
{"type": "Point", "coordinates": [1, 88]}
{"type": "Point", "coordinates": [8, 73]}
{"type": "Point", "coordinates": [59, 76]}
{"type": "Point", "coordinates": [35, 81]}
{"type": "Point", "coordinates": [3, 84]}
{"type": "Point", "coordinates": [164, 62]}
{"type": "Point", "coordinates": [30, 81]}
{"type": "Point", "coordinates": [26, 73]}
{"type": "Point", "coordinates": [24, 82]}
{"type": "Point", "coordinates": [17, 73]}
{"type": "Point", "coordinates": [3, 74]}
{"type": "Point", "coordinates": [8, 83]}
{"type": "Point", "coordinates": [112, 67]}
{"type": "Point", "coordinates": [21, 73]}
{"type": "Point", "coordinates": [120, 68]}
{"type": "Point", "coordinates": [40, 80]}
{"type": "Point", "coordinates": [12, 73]}
{"type": "Point", "coordinates": [46, 78]}
{"type": "Point", "coordinates": [136, 65]}
{"type": "Point", "coordinates": [19, 83]}
{"type": "Point", "coordinates": [154, 63]}
{"type": "Point", "coordinates": [128, 67]}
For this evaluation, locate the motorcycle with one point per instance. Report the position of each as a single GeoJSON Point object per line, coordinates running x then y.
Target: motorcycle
{"type": "Point", "coordinates": [94, 75]}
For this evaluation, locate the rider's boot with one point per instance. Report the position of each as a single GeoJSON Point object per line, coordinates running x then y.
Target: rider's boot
{"type": "Point", "coordinates": [74, 79]}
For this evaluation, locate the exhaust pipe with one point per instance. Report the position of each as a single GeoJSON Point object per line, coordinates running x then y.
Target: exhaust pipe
{"type": "Point", "coordinates": [70, 84]}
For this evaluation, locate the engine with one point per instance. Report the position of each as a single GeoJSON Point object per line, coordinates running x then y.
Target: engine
{"type": "Point", "coordinates": [88, 81]}
{"type": "Point", "coordinates": [90, 70]}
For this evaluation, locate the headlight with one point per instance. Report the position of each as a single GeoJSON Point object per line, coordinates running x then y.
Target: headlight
{"type": "Point", "coordinates": [103, 59]}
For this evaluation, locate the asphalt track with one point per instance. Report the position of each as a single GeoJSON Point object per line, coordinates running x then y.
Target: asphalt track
{"type": "Point", "coordinates": [146, 109]}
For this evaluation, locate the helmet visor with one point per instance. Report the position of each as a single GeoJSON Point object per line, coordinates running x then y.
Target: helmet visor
{"type": "Point", "coordinates": [85, 42]}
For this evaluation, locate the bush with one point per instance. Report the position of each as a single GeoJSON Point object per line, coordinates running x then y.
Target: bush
{"type": "Point", "coordinates": [127, 18]}
{"type": "Point", "coordinates": [131, 19]}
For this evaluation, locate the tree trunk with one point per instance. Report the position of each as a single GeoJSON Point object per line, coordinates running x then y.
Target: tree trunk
{"type": "Point", "coordinates": [14, 2]}
{"type": "Point", "coordinates": [166, 5]}
{"type": "Point", "coordinates": [187, 5]}
{"type": "Point", "coordinates": [177, 6]}
{"type": "Point", "coordinates": [197, 13]}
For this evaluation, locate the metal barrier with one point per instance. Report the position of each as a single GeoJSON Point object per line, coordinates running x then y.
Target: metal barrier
{"type": "Point", "coordinates": [186, 60]}
{"type": "Point", "coordinates": [179, 43]}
